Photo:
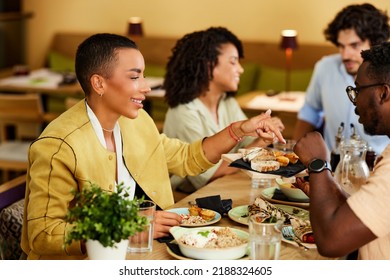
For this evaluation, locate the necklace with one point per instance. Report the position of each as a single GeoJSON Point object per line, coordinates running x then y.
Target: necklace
{"type": "Point", "coordinates": [108, 130]}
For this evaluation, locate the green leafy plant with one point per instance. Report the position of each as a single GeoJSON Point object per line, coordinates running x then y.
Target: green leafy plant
{"type": "Point", "coordinates": [104, 216]}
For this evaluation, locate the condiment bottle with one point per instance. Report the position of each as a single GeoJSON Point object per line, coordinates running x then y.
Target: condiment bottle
{"type": "Point", "coordinates": [335, 153]}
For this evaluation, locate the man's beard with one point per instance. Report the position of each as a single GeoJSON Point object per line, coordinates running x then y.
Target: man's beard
{"type": "Point", "coordinates": [371, 127]}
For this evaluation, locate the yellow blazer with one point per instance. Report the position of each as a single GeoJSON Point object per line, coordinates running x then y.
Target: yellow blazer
{"type": "Point", "coordinates": [68, 154]}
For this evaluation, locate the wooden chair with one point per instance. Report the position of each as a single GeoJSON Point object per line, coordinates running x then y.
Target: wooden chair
{"type": "Point", "coordinates": [21, 121]}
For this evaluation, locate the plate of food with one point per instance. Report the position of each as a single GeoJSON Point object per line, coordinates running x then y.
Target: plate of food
{"type": "Point", "coordinates": [174, 250]}
{"type": "Point", "coordinates": [211, 242]}
{"type": "Point", "coordinates": [269, 161]}
{"type": "Point", "coordinates": [274, 195]}
{"type": "Point", "coordinates": [240, 214]}
{"type": "Point", "coordinates": [196, 216]}
{"type": "Point", "coordinates": [289, 235]}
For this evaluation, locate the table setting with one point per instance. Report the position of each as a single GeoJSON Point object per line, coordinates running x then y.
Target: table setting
{"type": "Point", "coordinates": [231, 198]}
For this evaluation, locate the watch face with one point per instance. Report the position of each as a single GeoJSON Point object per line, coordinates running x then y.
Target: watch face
{"type": "Point", "coordinates": [317, 165]}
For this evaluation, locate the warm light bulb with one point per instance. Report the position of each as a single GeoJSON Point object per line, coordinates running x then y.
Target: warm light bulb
{"type": "Point", "coordinates": [135, 20]}
{"type": "Point", "coordinates": [289, 33]}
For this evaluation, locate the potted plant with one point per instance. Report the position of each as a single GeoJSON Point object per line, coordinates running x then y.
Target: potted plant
{"type": "Point", "coordinates": [104, 219]}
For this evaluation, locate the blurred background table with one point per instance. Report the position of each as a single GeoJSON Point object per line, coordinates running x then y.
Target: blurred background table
{"type": "Point", "coordinates": [283, 105]}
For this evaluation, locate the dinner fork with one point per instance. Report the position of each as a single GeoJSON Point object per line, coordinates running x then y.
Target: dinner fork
{"type": "Point", "coordinates": [289, 235]}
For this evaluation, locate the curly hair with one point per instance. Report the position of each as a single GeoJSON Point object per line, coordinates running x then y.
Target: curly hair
{"type": "Point", "coordinates": [379, 58]}
{"type": "Point", "coordinates": [190, 67]}
{"type": "Point", "coordinates": [367, 21]}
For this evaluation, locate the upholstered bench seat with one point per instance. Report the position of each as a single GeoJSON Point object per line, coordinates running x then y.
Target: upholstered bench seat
{"type": "Point", "coordinates": [11, 220]}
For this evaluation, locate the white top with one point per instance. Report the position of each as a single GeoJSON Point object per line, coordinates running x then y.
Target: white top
{"type": "Point", "coordinates": [123, 174]}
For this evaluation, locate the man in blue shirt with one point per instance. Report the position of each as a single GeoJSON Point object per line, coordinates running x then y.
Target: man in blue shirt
{"type": "Point", "coordinates": [355, 28]}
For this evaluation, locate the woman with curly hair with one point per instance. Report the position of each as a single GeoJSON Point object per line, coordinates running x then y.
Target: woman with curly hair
{"type": "Point", "coordinates": [202, 77]}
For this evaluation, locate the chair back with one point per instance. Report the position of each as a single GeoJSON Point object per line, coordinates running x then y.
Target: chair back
{"type": "Point", "coordinates": [23, 112]}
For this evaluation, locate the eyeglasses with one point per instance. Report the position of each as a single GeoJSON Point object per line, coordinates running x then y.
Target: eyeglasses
{"type": "Point", "coordinates": [353, 91]}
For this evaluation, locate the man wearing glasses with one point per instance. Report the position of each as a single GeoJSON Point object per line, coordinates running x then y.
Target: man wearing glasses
{"type": "Point", "coordinates": [361, 221]}
{"type": "Point", "coordinates": [355, 28]}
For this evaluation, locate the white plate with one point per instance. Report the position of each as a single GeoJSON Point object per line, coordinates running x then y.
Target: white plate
{"type": "Point", "coordinates": [239, 214]}
{"type": "Point", "coordinates": [185, 211]}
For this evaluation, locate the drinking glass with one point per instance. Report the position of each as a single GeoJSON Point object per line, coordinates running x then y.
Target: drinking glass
{"type": "Point", "coordinates": [261, 182]}
{"type": "Point", "coordinates": [143, 241]}
{"type": "Point", "coordinates": [264, 239]}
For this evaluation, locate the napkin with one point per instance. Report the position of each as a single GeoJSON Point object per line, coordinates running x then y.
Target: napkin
{"type": "Point", "coordinates": [175, 248]}
{"type": "Point", "coordinates": [214, 202]}
{"type": "Point", "coordinates": [166, 239]}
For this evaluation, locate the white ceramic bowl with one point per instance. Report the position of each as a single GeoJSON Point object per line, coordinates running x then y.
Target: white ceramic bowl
{"type": "Point", "coordinates": [230, 253]}
{"type": "Point", "coordinates": [293, 193]}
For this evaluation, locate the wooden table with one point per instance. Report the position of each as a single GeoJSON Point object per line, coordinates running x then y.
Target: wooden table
{"type": "Point", "coordinates": [41, 81]}
{"type": "Point", "coordinates": [49, 84]}
{"type": "Point", "coordinates": [284, 105]}
{"type": "Point", "coordinates": [238, 188]}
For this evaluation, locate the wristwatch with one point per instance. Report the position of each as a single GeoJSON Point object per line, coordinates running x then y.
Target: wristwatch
{"type": "Point", "coordinates": [318, 165]}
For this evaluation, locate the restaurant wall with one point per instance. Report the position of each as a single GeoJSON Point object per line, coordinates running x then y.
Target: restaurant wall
{"type": "Point", "coordinates": [256, 20]}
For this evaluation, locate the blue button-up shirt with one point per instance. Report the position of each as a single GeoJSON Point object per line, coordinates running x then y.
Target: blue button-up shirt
{"type": "Point", "coordinates": [327, 99]}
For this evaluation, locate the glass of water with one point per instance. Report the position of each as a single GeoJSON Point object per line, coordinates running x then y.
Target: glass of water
{"type": "Point", "coordinates": [142, 242]}
{"type": "Point", "coordinates": [264, 239]}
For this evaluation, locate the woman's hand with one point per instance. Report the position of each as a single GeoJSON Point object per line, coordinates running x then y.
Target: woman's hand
{"type": "Point", "coordinates": [262, 126]}
{"type": "Point", "coordinates": [260, 142]}
{"type": "Point", "coordinates": [278, 123]}
{"type": "Point", "coordinates": [163, 222]}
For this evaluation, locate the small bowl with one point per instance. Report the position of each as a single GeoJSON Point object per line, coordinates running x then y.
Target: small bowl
{"type": "Point", "coordinates": [289, 190]}
{"type": "Point", "coordinates": [229, 253]}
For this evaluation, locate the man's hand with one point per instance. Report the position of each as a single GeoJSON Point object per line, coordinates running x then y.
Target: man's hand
{"type": "Point", "coordinates": [311, 146]}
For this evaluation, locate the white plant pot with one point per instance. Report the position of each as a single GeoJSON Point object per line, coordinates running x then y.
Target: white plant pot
{"type": "Point", "coordinates": [96, 251]}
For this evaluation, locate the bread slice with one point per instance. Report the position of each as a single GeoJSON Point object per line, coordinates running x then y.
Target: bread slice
{"type": "Point", "coordinates": [249, 154]}
{"type": "Point", "coordinates": [264, 165]}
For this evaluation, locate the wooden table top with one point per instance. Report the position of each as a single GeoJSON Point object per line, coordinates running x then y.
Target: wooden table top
{"type": "Point", "coordinates": [238, 188]}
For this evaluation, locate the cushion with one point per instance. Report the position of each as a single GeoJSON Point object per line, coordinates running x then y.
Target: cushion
{"type": "Point", "coordinates": [248, 78]}
{"type": "Point", "coordinates": [11, 221]}
{"type": "Point", "coordinates": [153, 70]}
{"type": "Point", "coordinates": [275, 79]}
{"type": "Point", "coordinates": [61, 63]}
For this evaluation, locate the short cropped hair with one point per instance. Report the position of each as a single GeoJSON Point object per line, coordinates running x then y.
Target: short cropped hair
{"type": "Point", "coordinates": [98, 55]}
{"type": "Point", "coordinates": [379, 62]}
